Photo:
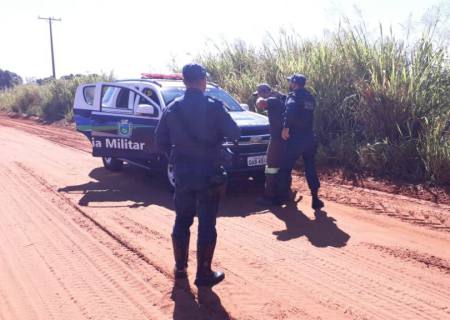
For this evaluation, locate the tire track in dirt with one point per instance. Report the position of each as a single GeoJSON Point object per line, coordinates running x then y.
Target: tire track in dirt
{"type": "Point", "coordinates": [104, 295]}
{"type": "Point", "coordinates": [293, 310]}
{"type": "Point", "coordinates": [97, 224]}
{"type": "Point", "coordinates": [376, 266]}
{"type": "Point", "coordinates": [22, 244]}
{"type": "Point", "coordinates": [133, 230]}
{"type": "Point", "coordinates": [68, 138]}
{"type": "Point", "coordinates": [140, 234]}
{"type": "Point", "coordinates": [387, 297]}
{"type": "Point", "coordinates": [337, 254]}
{"type": "Point", "coordinates": [430, 261]}
{"type": "Point", "coordinates": [334, 280]}
{"type": "Point", "coordinates": [138, 230]}
{"type": "Point", "coordinates": [145, 261]}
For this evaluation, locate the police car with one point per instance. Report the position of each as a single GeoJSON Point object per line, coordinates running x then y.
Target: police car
{"type": "Point", "coordinates": [119, 118]}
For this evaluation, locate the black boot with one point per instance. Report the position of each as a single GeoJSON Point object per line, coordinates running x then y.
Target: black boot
{"type": "Point", "coordinates": [205, 276]}
{"type": "Point", "coordinates": [181, 253]}
{"type": "Point", "coordinates": [317, 204]}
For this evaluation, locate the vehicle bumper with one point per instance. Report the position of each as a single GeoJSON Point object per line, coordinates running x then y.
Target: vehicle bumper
{"type": "Point", "coordinates": [237, 161]}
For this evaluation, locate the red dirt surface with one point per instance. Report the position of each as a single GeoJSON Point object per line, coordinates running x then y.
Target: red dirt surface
{"type": "Point", "coordinates": [79, 242]}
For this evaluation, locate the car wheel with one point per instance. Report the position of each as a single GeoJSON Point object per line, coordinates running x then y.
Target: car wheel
{"type": "Point", "coordinates": [170, 175]}
{"type": "Point", "coordinates": [112, 164]}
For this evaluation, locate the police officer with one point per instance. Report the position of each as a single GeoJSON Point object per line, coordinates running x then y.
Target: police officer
{"type": "Point", "coordinates": [272, 102]}
{"type": "Point", "coordinates": [301, 141]}
{"type": "Point", "coordinates": [192, 130]}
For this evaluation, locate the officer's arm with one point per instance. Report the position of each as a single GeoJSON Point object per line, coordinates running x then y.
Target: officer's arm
{"type": "Point", "coordinates": [290, 113]}
{"type": "Point", "coordinates": [162, 134]}
{"type": "Point", "coordinates": [228, 126]}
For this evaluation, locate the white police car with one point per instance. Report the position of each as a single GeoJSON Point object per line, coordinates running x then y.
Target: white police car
{"type": "Point", "coordinates": [119, 118]}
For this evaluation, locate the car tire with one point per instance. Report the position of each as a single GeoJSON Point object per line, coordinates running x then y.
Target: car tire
{"type": "Point", "coordinates": [170, 176]}
{"type": "Point", "coordinates": [112, 164]}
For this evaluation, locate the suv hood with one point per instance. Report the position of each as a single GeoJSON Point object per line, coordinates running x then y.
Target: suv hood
{"type": "Point", "coordinates": [247, 118]}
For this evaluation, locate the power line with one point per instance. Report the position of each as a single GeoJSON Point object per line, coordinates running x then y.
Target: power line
{"type": "Point", "coordinates": [50, 20]}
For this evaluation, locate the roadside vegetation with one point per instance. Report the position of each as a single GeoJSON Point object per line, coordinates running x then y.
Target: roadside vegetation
{"type": "Point", "coordinates": [383, 102]}
{"type": "Point", "coordinates": [49, 99]}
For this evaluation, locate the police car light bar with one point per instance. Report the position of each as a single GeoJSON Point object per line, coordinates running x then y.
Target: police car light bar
{"type": "Point", "coordinates": [160, 76]}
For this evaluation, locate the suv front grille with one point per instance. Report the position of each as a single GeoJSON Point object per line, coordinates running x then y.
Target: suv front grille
{"type": "Point", "coordinates": [253, 140]}
{"type": "Point", "coordinates": [249, 149]}
{"type": "Point", "coordinates": [254, 131]}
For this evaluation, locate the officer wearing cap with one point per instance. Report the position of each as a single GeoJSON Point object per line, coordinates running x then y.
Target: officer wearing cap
{"type": "Point", "coordinates": [192, 130]}
{"type": "Point", "coordinates": [299, 134]}
{"type": "Point", "coordinates": [272, 102]}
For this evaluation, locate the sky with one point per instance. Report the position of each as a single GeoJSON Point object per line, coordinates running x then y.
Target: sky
{"type": "Point", "coordinates": [135, 36]}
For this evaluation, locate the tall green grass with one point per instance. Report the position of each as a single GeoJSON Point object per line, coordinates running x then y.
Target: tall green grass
{"type": "Point", "coordinates": [383, 103]}
{"type": "Point", "coordinates": [52, 100]}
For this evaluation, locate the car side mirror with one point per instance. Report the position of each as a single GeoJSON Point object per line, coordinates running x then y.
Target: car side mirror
{"type": "Point", "coordinates": [146, 109]}
{"type": "Point", "coordinates": [245, 106]}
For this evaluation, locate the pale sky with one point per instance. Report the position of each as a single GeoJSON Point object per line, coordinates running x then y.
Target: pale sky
{"type": "Point", "coordinates": [135, 36]}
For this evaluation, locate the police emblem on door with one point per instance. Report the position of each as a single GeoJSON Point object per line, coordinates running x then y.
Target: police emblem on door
{"type": "Point", "coordinates": [124, 128]}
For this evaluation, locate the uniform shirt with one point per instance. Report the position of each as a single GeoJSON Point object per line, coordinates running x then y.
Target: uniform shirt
{"type": "Point", "coordinates": [275, 111]}
{"type": "Point", "coordinates": [299, 114]}
{"type": "Point", "coordinates": [194, 127]}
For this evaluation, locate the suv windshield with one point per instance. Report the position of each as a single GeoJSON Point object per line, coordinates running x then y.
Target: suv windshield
{"type": "Point", "coordinates": [171, 93]}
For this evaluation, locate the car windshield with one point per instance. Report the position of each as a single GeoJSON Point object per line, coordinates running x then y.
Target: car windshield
{"type": "Point", "coordinates": [171, 93]}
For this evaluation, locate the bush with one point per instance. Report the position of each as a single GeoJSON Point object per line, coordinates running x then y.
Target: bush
{"type": "Point", "coordinates": [50, 99]}
{"type": "Point", "coordinates": [25, 99]}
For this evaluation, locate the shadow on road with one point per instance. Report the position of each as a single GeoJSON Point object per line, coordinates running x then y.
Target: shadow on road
{"type": "Point", "coordinates": [133, 186]}
{"type": "Point", "coordinates": [321, 232]}
{"type": "Point", "coordinates": [207, 307]}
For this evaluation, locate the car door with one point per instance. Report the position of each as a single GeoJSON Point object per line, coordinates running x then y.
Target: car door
{"type": "Point", "coordinates": [125, 124]}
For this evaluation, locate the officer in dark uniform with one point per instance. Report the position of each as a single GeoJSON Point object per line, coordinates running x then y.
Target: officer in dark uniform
{"type": "Point", "coordinates": [301, 141]}
{"type": "Point", "coordinates": [272, 102]}
{"type": "Point", "coordinates": [192, 131]}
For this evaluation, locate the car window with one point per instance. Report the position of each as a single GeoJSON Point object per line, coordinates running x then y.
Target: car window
{"type": "Point", "coordinates": [88, 93]}
{"type": "Point", "coordinates": [151, 94]}
{"type": "Point", "coordinates": [116, 97]}
{"type": "Point", "coordinates": [123, 99]}
{"type": "Point", "coordinates": [171, 93]}
{"type": "Point", "coordinates": [107, 93]}
{"type": "Point", "coordinates": [141, 99]}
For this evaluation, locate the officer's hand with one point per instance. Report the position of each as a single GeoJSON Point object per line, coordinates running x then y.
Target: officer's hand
{"type": "Point", "coordinates": [261, 104]}
{"type": "Point", "coordinates": [285, 134]}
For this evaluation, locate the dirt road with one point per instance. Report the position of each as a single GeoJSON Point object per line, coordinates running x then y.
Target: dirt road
{"type": "Point", "coordinates": [79, 242]}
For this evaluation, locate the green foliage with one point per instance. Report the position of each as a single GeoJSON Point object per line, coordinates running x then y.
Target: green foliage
{"type": "Point", "coordinates": [25, 99]}
{"type": "Point", "coordinates": [383, 104]}
{"type": "Point", "coordinates": [9, 79]}
{"type": "Point", "coordinates": [49, 99]}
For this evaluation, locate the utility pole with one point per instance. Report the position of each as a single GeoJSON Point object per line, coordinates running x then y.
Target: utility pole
{"type": "Point", "coordinates": [50, 20]}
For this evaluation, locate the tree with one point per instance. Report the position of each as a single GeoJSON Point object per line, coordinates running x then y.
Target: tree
{"type": "Point", "coordinates": [9, 79]}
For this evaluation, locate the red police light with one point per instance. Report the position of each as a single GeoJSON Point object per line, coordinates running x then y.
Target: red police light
{"type": "Point", "coordinates": [174, 76]}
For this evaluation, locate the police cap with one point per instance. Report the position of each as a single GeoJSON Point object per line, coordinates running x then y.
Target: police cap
{"type": "Point", "coordinates": [297, 78]}
{"type": "Point", "coordinates": [194, 72]}
{"type": "Point", "coordinates": [263, 87]}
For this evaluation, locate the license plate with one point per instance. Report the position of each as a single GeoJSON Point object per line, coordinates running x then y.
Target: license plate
{"type": "Point", "coordinates": [256, 161]}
